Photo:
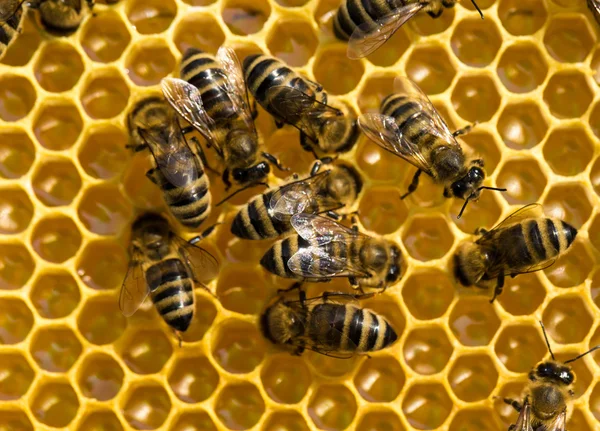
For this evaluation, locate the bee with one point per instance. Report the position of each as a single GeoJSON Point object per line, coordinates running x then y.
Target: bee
{"type": "Point", "coordinates": [367, 25]}
{"type": "Point", "coordinates": [213, 99]}
{"type": "Point", "coordinates": [166, 267]}
{"type": "Point", "coordinates": [178, 171]}
{"type": "Point", "coordinates": [293, 99]}
{"type": "Point", "coordinates": [594, 7]}
{"type": "Point", "coordinates": [268, 215]}
{"type": "Point", "coordinates": [12, 13]}
{"type": "Point", "coordinates": [411, 128]}
{"type": "Point", "coordinates": [323, 249]}
{"type": "Point", "coordinates": [334, 328]}
{"type": "Point", "coordinates": [61, 17]}
{"type": "Point", "coordinates": [525, 241]}
{"type": "Point", "coordinates": [548, 396]}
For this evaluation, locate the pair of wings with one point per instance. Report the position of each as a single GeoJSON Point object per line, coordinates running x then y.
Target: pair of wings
{"type": "Point", "coordinates": [524, 421]}
{"type": "Point", "coordinates": [385, 132]}
{"type": "Point", "coordinates": [186, 99]}
{"type": "Point", "coordinates": [135, 289]}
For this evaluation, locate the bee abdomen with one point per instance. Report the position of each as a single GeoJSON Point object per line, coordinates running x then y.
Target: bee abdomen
{"type": "Point", "coordinates": [253, 221]}
{"type": "Point", "coordinates": [190, 205]}
{"type": "Point", "coordinates": [549, 237]}
{"type": "Point", "coordinates": [276, 258]}
{"type": "Point", "coordinates": [262, 73]}
{"type": "Point", "coordinates": [353, 13]}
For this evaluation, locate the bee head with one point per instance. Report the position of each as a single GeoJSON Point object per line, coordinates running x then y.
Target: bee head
{"type": "Point", "coordinates": [556, 372]}
{"type": "Point", "coordinates": [150, 230]}
{"type": "Point", "coordinates": [468, 186]}
{"type": "Point", "coordinates": [395, 269]}
{"type": "Point", "coordinates": [253, 174]}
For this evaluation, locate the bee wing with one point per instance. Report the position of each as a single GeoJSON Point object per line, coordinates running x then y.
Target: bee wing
{"type": "Point", "coordinates": [369, 36]}
{"type": "Point", "coordinates": [134, 289]}
{"type": "Point", "coordinates": [534, 210]}
{"type": "Point", "coordinates": [315, 262]}
{"type": "Point", "coordinates": [322, 229]}
{"type": "Point", "coordinates": [559, 423]}
{"type": "Point", "coordinates": [594, 6]}
{"type": "Point", "coordinates": [201, 262]}
{"type": "Point", "coordinates": [524, 420]}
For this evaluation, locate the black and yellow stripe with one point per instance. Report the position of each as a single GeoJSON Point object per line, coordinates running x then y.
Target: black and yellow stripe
{"type": "Point", "coordinates": [353, 13]}
{"type": "Point", "coordinates": [9, 29]}
{"type": "Point", "coordinates": [254, 221]}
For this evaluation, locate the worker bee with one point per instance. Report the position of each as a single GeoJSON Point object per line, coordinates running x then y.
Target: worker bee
{"type": "Point", "coordinates": [594, 7]}
{"type": "Point", "coordinates": [367, 25]}
{"type": "Point", "coordinates": [324, 249]}
{"type": "Point", "coordinates": [337, 327]}
{"type": "Point", "coordinates": [214, 100]}
{"type": "Point", "coordinates": [12, 14]}
{"type": "Point", "coordinates": [166, 267]}
{"type": "Point", "coordinates": [178, 170]}
{"type": "Point", "coordinates": [410, 127]}
{"type": "Point", "coordinates": [524, 242]}
{"type": "Point", "coordinates": [268, 215]}
{"type": "Point", "coordinates": [61, 17]}
{"type": "Point", "coordinates": [548, 396]}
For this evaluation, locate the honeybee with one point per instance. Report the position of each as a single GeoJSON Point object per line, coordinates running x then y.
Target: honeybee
{"type": "Point", "coordinates": [594, 7]}
{"type": "Point", "coordinates": [367, 25]}
{"type": "Point", "coordinates": [166, 267]}
{"type": "Point", "coordinates": [326, 326]}
{"type": "Point", "coordinates": [268, 215]}
{"type": "Point", "coordinates": [12, 13]}
{"type": "Point", "coordinates": [324, 249]}
{"type": "Point", "coordinates": [410, 127]}
{"type": "Point", "coordinates": [548, 396]}
{"type": "Point", "coordinates": [178, 171]}
{"type": "Point", "coordinates": [214, 100]}
{"type": "Point", "coordinates": [525, 241]}
{"type": "Point", "coordinates": [61, 17]}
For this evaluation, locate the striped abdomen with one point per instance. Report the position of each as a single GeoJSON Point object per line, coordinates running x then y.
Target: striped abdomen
{"type": "Point", "coordinates": [353, 13]}
{"type": "Point", "coordinates": [172, 291]}
{"type": "Point", "coordinates": [9, 29]}
{"type": "Point", "coordinates": [253, 221]}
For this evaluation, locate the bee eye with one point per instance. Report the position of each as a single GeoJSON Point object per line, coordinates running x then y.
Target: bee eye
{"type": "Point", "coordinates": [544, 370]}
{"type": "Point", "coordinates": [476, 173]}
{"type": "Point", "coordinates": [566, 377]}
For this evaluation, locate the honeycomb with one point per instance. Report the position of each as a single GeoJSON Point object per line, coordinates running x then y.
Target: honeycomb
{"type": "Point", "coordinates": [529, 74]}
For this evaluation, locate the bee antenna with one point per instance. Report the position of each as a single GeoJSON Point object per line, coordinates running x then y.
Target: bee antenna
{"type": "Point", "coordinates": [498, 189]}
{"type": "Point", "coordinates": [239, 191]}
{"type": "Point", "coordinates": [547, 341]}
{"type": "Point", "coordinates": [463, 208]}
{"type": "Point", "coordinates": [477, 7]}
{"type": "Point", "coordinates": [593, 349]}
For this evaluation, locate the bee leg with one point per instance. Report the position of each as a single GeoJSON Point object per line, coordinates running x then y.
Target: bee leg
{"type": "Point", "coordinates": [254, 109]}
{"type": "Point", "coordinates": [225, 178]}
{"type": "Point", "coordinates": [464, 130]}
{"type": "Point", "coordinates": [296, 285]}
{"type": "Point", "coordinates": [203, 156]}
{"type": "Point", "coordinates": [481, 231]}
{"type": "Point", "coordinates": [435, 14]}
{"type": "Point", "coordinates": [136, 148]}
{"type": "Point", "coordinates": [499, 287]}
{"type": "Point", "coordinates": [513, 403]}
{"type": "Point", "coordinates": [274, 161]}
{"type": "Point", "coordinates": [413, 184]}
{"type": "Point", "coordinates": [279, 123]}
{"type": "Point", "coordinates": [151, 175]}
{"type": "Point", "coordinates": [178, 336]}
{"type": "Point", "coordinates": [333, 215]}
{"type": "Point", "coordinates": [316, 167]}
{"type": "Point", "coordinates": [204, 234]}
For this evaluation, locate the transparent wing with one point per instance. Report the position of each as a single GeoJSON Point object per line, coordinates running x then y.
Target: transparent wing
{"type": "Point", "coordinates": [524, 420]}
{"type": "Point", "coordinates": [204, 264]}
{"type": "Point", "coordinates": [559, 423]}
{"type": "Point", "coordinates": [316, 262]}
{"type": "Point", "coordinates": [594, 7]}
{"type": "Point", "coordinates": [134, 289]}
{"type": "Point", "coordinates": [369, 36]}
{"type": "Point", "coordinates": [322, 229]}
{"type": "Point", "coordinates": [534, 210]}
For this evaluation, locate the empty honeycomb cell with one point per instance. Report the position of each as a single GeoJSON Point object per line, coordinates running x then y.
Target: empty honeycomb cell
{"type": "Point", "coordinates": [146, 352]}
{"type": "Point", "coordinates": [426, 406]}
{"type": "Point", "coordinates": [56, 239]}
{"type": "Point", "coordinates": [375, 88]}
{"type": "Point", "coordinates": [100, 377]}
{"type": "Point", "coordinates": [584, 377]}
{"type": "Point", "coordinates": [380, 420]}
{"type": "Point", "coordinates": [16, 153]}
{"type": "Point", "coordinates": [391, 51]}
{"type": "Point", "coordinates": [286, 379]}
{"type": "Point", "coordinates": [568, 151]}
{"type": "Point", "coordinates": [56, 182]}
{"type": "Point", "coordinates": [475, 98]}
{"type": "Point", "coordinates": [14, 420]}
{"type": "Point", "coordinates": [151, 16]}
{"type": "Point", "coordinates": [54, 403]}
{"type": "Point", "coordinates": [16, 266]}
{"type": "Point", "coordinates": [204, 315]}
{"type": "Point", "coordinates": [102, 154]}
{"type": "Point", "coordinates": [238, 347]}
{"type": "Point", "coordinates": [194, 421]}
{"type": "Point", "coordinates": [287, 420]}
{"type": "Point", "coordinates": [332, 407]}
{"type": "Point", "coordinates": [147, 407]}
{"type": "Point", "coordinates": [58, 67]}
{"type": "Point", "coordinates": [475, 42]}
{"type": "Point", "coordinates": [17, 97]}
{"type": "Point", "coordinates": [568, 94]}
{"type": "Point", "coordinates": [193, 379]}
{"type": "Point", "coordinates": [424, 25]}
{"type": "Point", "coordinates": [522, 68]}
{"type": "Point", "coordinates": [522, 295]}
{"type": "Point", "coordinates": [200, 31]}
{"type": "Point", "coordinates": [100, 321]}
{"type": "Point", "coordinates": [237, 250]}
{"type": "Point", "coordinates": [479, 418]}
{"type": "Point", "coordinates": [559, 316]}
{"type": "Point", "coordinates": [513, 390]}
{"type": "Point", "coordinates": [239, 406]}
{"type": "Point", "coordinates": [58, 125]}
{"type": "Point", "coordinates": [285, 145]}
{"type": "Point", "coordinates": [431, 69]}
{"type": "Point", "coordinates": [522, 126]}
{"type": "Point", "coordinates": [55, 349]}
{"type": "Point", "coordinates": [483, 145]}
{"type": "Point", "coordinates": [427, 350]}
{"type": "Point", "coordinates": [482, 4]}
{"type": "Point", "coordinates": [140, 190]}
{"type": "Point", "coordinates": [336, 59]}
{"type": "Point", "coordinates": [428, 294]}
{"type": "Point", "coordinates": [520, 347]}
{"type": "Point", "coordinates": [16, 320]}
{"type": "Point", "coordinates": [23, 47]}
{"type": "Point", "coordinates": [379, 164]}
{"type": "Point", "coordinates": [102, 265]}
{"type": "Point", "coordinates": [578, 421]}
{"type": "Point", "coordinates": [105, 37]}
{"type": "Point", "coordinates": [100, 420]}
{"type": "Point", "coordinates": [149, 62]}
{"type": "Point", "coordinates": [380, 379]}
{"type": "Point", "coordinates": [243, 17]}
{"type": "Point", "coordinates": [572, 268]}
{"type": "Point", "coordinates": [293, 41]}
{"type": "Point", "coordinates": [569, 38]}
{"type": "Point", "coordinates": [105, 95]}
{"type": "Point", "coordinates": [382, 212]}
{"type": "Point", "coordinates": [242, 290]}
{"type": "Point", "coordinates": [520, 18]}
{"type": "Point", "coordinates": [483, 212]}
{"type": "Point", "coordinates": [16, 210]}
{"type": "Point", "coordinates": [55, 295]}
{"type": "Point", "coordinates": [104, 210]}
{"type": "Point", "coordinates": [523, 180]}
{"type": "Point", "coordinates": [428, 238]}
{"type": "Point", "coordinates": [569, 202]}
{"type": "Point", "coordinates": [595, 402]}
{"type": "Point", "coordinates": [16, 376]}
{"type": "Point", "coordinates": [473, 377]}
{"type": "Point", "coordinates": [473, 321]}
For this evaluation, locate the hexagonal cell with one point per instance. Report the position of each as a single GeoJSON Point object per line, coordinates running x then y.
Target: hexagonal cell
{"type": "Point", "coordinates": [286, 379]}
{"type": "Point", "coordinates": [382, 212]}
{"type": "Point", "coordinates": [473, 377]}
{"type": "Point", "coordinates": [17, 97]}
{"type": "Point", "coordinates": [147, 407]}
{"type": "Point", "coordinates": [17, 376]}
{"type": "Point", "coordinates": [473, 321]}
{"type": "Point", "coordinates": [193, 379]}
{"type": "Point", "coordinates": [55, 404]}
{"type": "Point", "coordinates": [426, 406]}
{"type": "Point", "coordinates": [523, 179]}
{"type": "Point", "coordinates": [513, 389]}
{"type": "Point", "coordinates": [56, 239]}
{"type": "Point", "coordinates": [424, 25]}
{"type": "Point", "coordinates": [578, 421]}
{"type": "Point", "coordinates": [522, 126]}
{"type": "Point", "coordinates": [522, 295]}
{"type": "Point", "coordinates": [238, 347]}
{"type": "Point", "coordinates": [55, 295]}
{"type": "Point", "coordinates": [100, 377]}
{"type": "Point", "coordinates": [105, 95]}
{"type": "Point", "coordinates": [427, 350]}
{"type": "Point", "coordinates": [16, 209]}
{"type": "Point", "coordinates": [569, 202]}
{"type": "Point", "coordinates": [336, 59]}
{"type": "Point", "coordinates": [100, 420]}
{"type": "Point", "coordinates": [384, 307]}
{"type": "Point", "coordinates": [100, 321]}
{"type": "Point", "coordinates": [595, 176]}
{"type": "Point", "coordinates": [58, 125]}
{"type": "Point", "coordinates": [16, 320]}
{"type": "Point", "coordinates": [151, 16]}
{"type": "Point", "coordinates": [568, 94]}
{"type": "Point", "coordinates": [104, 210]}
{"type": "Point", "coordinates": [522, 67]}
{"type": "Point", "coordinates": [23, 47]}
{"type": "Point", "coordinates": [293, 41]}
{"type": "Point", "coordinates": [149, 62]}
{"type": "Point", "coordinates": [572, 144]}
{"type": "Point", "coordinates": [243, 17]}
{"type": "Point", "coordinates": [428, 294]}
{"type": "Point", "coordinates": [58, 67]}
{"type": "Point", "coordinates": [483, 212]}
{"type": "Point", "coordinates": [380, 380]}
{"type": "Point", "coordinates": [559, 316]}
{"type": "Point", "coordinates": [56, 182]}
{"type": "Point", "coordinates": [475, 42]}
{"type": "Point", "coordinates": [194, 421]}
{"type": "Point", "coordinates": [391, 51]}
{"type": "Point", "coordinates": [16, 266]}
{"type": "Point", "coordinates": [569, 38]}
{"type": "Point", "coordinates": [55, 349]}
{"type": "Point", "coordinates": [482, 4]}
{"type": "Point", "coordinates": [522, 17]}
{"type": "Point", "coordinates": [428, 238]}
{"type": "Point", "coordinates": [15, 420]}
{"type": "Point", "coordinates": [380, 420]}
{"type": "Point", "coordinates": [595, 288]}
{"type": "Point", "coordinates": [199, 31]}
{"type": "Point", "coordinates": [287, 420]}
{"type": "Point", "coordinates": [102, 154]}
{"type": "Point", "coordinates": [332, 407]}
{"type": "Point", "coordinates": [16, 153]}
{"type": "Point", "coordinates": [484, 145]}
{"type": "Point", "coordinates": [242, 289]}
{"type": "Point", "coordinates": [204, 315]}
{"type": "Point", "coordinates": [480, 418]}
{"type": "Point", "coordinates": [105, 37]}
{"type": "Point", "coordinates": [375, 88]}
{"type": "Point", "coordinates": [520, 347]}
{"type": "Point", "coordinates": [146, 352]}
{"type": "Point", "coordinates": [431, 69]}
{"type": "Point", "coordinates": [239, 406]}
{"type": "Point", "coordinates": [572, 268]}
{"type": "Point", "coordinates": [475, 98]}
{"type": "Point", "coordinates": [103, 265]}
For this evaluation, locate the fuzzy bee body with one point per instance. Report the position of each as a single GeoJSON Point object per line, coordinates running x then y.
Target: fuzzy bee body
{"type": "Point", "coordinates": [12, 14]}
{"type": "Point", "coordinates": [62, 17]}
